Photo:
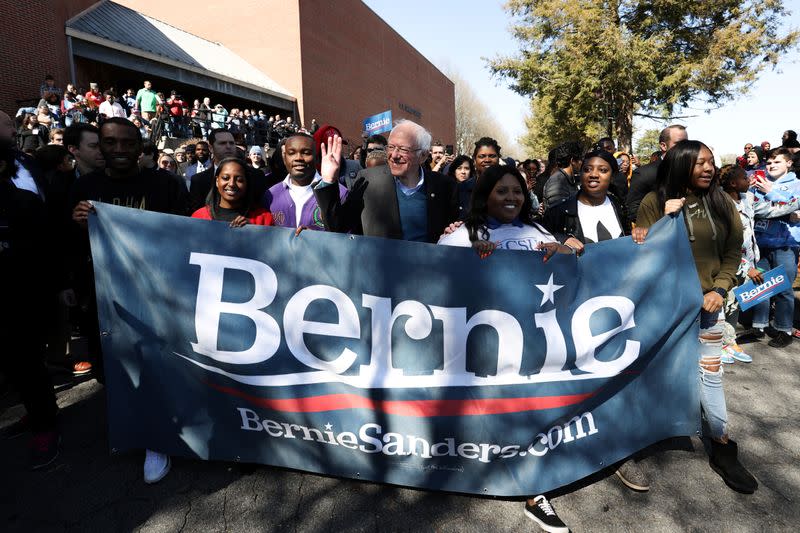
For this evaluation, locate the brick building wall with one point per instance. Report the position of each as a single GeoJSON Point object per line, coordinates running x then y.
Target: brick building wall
{"type": "Point", "coordinates": [355, 65]}
{"type": "Point", "coordinates": [24, 61]}
{"type": "Point", "coordinates": [337, 57]}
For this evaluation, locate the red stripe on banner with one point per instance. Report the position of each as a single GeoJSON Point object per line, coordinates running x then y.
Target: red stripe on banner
{"type": "Point", "coordinates": [417, 408]}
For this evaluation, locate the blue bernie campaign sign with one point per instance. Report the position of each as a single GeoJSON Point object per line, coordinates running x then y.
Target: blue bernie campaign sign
{"type": "Point", "coordinates": [380, 123]}
{"type": "Point", "coordinates": [749, 294]}
{"type": "Point", "coordinates": [391, 361]}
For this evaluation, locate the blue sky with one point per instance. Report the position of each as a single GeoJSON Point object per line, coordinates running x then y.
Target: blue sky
{"type": "Point", "coordinates": [461, 33]}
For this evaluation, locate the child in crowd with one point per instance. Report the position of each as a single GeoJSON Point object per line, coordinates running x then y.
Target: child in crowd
{"type": "Point", "coordinates": [735, 183]}
{"type": "Point", "coordinates": [778, 239]}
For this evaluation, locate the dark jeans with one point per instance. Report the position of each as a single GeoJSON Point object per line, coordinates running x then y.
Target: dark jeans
{"type": "Point", "coordinates": [784, 301]}
{"type": "Point", "coordinates": [23, 364]}
{"type": "Point", "coordinates": [90, 328]}
{"type": "Point", "coordinates": [90, 325]}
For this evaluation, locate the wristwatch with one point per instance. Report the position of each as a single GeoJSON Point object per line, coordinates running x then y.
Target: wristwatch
{"type": "Point", "coordinates": [722, 292]}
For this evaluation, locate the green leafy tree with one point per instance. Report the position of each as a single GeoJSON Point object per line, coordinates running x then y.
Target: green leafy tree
{"type": "Point", "coordinates": [550, 123]}
{"type": "Point", "coordinates": [593, 64]}
{"type": "Point", "coordinates": [647, 144]}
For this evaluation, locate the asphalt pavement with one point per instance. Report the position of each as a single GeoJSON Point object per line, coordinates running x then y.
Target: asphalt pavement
{"type": "Point", "coordinates": [89, 489]}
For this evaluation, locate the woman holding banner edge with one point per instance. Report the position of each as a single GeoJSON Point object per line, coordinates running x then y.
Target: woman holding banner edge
{"type": "Point", "coordinates": [686, 182]}
{"type": "Point", "coordinates": [231, 199]}
{"type": "Point", "coordinates": [593, 215]}
{"type": "Point", "coordinates": [501, 211]}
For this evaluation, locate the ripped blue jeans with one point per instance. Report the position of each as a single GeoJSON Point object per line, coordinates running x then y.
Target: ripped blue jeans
{"type": "Point", "coordinates": [712, 396]}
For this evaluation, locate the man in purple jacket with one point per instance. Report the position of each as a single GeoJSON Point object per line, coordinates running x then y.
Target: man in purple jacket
{"type": "Point", "coordinates": [294, 195]}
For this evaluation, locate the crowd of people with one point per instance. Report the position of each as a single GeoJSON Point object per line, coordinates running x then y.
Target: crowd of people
{"type": "Point", "coordinates": [741, 219]}
{"type": "Point", "coordinates": [155, 114]}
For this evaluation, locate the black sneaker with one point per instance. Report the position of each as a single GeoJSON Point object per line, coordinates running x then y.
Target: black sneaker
{"type": "Point", "coordinates": [545, 516]}
{"type": "Point", "coordinates": [781, 340]}
{"type": "Point", "coordinates": [752, 335]}
{"type": "Point", "coordinates": [771, 332]}
{"type": "Point", "coordinates": [44, 448]}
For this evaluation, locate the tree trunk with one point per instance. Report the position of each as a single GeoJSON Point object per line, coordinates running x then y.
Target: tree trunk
{"type": "Point", "coordinates": [625, 128]}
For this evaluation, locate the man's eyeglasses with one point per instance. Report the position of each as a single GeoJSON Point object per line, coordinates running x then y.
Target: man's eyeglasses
{"type": "Point", "coordinates": [404, 150]}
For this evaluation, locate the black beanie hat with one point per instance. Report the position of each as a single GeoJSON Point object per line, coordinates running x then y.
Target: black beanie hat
{"type": "Point", "coordinates": [612, 162]}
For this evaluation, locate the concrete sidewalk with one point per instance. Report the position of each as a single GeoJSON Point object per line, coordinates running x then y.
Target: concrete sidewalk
{"type": "Point", "coordinates": [90, 490]}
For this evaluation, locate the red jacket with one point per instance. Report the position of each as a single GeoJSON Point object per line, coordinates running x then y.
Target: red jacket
{"type": "Point", "coordinates": [257, 215]}
{"type": "Point", "coordinates": [94, 100]}
{"type": "Point", "coordinates": [177, 107]}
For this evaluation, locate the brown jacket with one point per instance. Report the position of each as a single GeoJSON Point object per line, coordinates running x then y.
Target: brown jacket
{"type": "Point", "coordinates": [717, 252]}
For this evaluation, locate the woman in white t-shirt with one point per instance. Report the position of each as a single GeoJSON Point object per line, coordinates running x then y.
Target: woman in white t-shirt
{"type": "Point", "coordinates": [501, 216]}
{"type": "Point", "coordinates": [592, 214]}
{"type": "Point", "coordinates": [589, 216]}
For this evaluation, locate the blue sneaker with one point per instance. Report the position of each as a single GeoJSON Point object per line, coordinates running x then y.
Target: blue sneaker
{"type": "Point", "coordinates": [726, 357]}
{"type": "Point", "coordinates": [737, 353]}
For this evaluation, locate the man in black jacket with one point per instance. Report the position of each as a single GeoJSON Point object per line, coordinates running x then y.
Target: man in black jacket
{"type": "Point", "coordinates": [643, 179]}
{"type": "Point", "coordinates": [222, 146]}
{"type": "Point", "coordinates": [402, 200]}
{"type": "Point", "coordinates": [28, 176]}
{"type": "Point", "coordinates": [563, 183]}
{"type": "Point", "coordinates": [123, 183]}
{"type": "Point", "coordinates": [25, 267]}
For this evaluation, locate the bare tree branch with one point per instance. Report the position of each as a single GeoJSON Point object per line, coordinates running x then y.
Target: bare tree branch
{"type": "Point", "coordinates": [671, 117]}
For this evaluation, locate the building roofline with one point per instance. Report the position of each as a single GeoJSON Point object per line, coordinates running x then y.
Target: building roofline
{"type": "Point", "coordinates": [77, 34]}
{"type": "Point", "coordinates": [85, 11]}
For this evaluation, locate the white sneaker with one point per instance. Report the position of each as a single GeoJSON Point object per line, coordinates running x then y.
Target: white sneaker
{"type": "Point", "coordinates": [156, 466]}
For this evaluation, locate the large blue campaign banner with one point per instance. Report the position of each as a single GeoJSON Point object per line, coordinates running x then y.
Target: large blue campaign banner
{"type": "Point", "coordinates": [391, 361]}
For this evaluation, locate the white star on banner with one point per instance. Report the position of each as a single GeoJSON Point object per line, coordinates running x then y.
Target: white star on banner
{"type": "Point", "coordinates": [328, 427]}
{"type": "Point", "coordinates": [548, 290]}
